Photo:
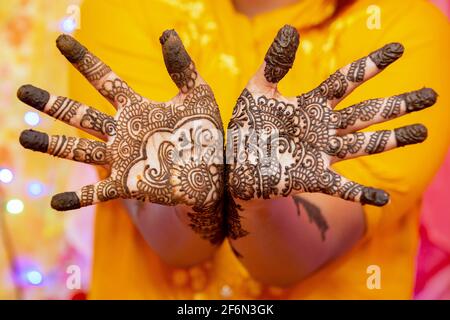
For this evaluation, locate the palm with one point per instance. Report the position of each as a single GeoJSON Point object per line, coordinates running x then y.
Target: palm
{"type": "Point", "coordinates": [168, 153]}
{"type": "Point", "coordinates": [279, 146]}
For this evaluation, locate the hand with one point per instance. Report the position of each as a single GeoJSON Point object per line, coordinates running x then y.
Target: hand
{"type": "Point", "coordinates": [280, 146]}
{"type": "Point", "coordinates": [166, 153]}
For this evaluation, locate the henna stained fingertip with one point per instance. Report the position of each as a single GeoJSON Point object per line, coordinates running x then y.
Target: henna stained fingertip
{"type": "Point", "coordinates": [387, 55]}
{"type": "Point", "coordinates": [420, 99]}
{"type": "Point", "coordinates": [70, 48]}
{"type": "Point", "coordinates": [66, 201]}
{"type": "Point", "coordinates": [178, 62]}
{"type": "Point", "coordinates": [32, 96]}
{"type": "Point", "coordinates": [376, 197]}
{"type": "Point", "coordinates": [175, 55]}
{"type": "Point", "coordinates": [34, 140]}
{"type": "Point", "coordinates": [411, 134]}
{"type": "Point", "coordinates": [281, 55]}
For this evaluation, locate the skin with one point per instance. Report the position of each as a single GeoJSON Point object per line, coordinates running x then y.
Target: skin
{"type": "Point", "coordinates": [287, 202]}
{"type": "Point", "coordinates": [168, 155]}
{"type": "Point", "coordinates": [295, 234]}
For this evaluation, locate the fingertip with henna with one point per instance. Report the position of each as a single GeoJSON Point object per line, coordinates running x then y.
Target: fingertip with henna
{"type": "Point", "coordinates": [411, 134]}
{"type": "Point", "coordinates": [373, 196]}
{"type": "Point", "coordinates": [281, 54]}
{"type": "Point", "coordinates": [34, 140]}
{"type": "Point", "coordinates": [70, 48]}
{"type": "Point", "coordinates": [420, 99]}
{"type": "Point", "coordinates": [32, 96]}
{"type": "Point", "coordinates": [175, 55]}
{"type": "Point", "coordinates": [65, 201]}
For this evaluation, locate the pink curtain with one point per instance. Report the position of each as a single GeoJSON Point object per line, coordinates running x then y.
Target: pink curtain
{"type": "Point", "coordinates": [433, 260]}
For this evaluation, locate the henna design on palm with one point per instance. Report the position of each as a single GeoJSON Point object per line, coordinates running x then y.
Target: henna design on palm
{"type": "Point", "coordinates": [166, 153]}
{"type": "Point", "coordinates": [281, 146]}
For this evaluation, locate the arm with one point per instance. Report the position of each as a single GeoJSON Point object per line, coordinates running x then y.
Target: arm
{"type": "Point", "coordinates": [280, 146]}
{"type": "Point", "coordinates": [169, 232]}
{"type": "Point", "coordinates": [167, 154]}
{"type": "Point", "coordinates": [296, 235]}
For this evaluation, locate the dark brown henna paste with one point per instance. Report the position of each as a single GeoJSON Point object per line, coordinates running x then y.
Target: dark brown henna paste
{"type": "Point", "coordinates": [387, 55]}
{"type": "Point", "coordinates": [34, 97]}
{"type": "Point", "coordinates": [70, 48]}
{"type": "Point", "coordinates": [34, 140]}
{"type": "Point", "coordinates": [281, 54]}
{"type": "Point", "coordinates": [88, 64]}
{"type": "Point", "coordinates": [65, 201]}
{"type": "Point", "coordinates": [374, 196]}
{"type": "Point", "coordinates": [411, 134]}
{"type": "Point", "coordinates": [178, 62]}
{"type": "Point", "coordinates": [420, 99]}
{"type": "Point", "coordinates": [314, 214]}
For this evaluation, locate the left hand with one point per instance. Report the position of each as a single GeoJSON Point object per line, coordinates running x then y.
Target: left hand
{"type": "Point", "coordinates": [281, 146]}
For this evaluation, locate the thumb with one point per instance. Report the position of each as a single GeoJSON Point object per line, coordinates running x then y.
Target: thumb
{"type": "Point", "coordinates": [281, 54]}
{"type": "Point", "coordinates": [178, 62]}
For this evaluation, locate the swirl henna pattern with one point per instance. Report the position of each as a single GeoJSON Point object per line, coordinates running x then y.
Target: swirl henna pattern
{"type": "Point", "coordinates": [278, 146]}
{"type": "Point", "coordinates": [165, 153]}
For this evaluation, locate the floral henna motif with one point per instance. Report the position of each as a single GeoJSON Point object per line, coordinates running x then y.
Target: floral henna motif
{"type": "Point", "coordinates": [167, 153]}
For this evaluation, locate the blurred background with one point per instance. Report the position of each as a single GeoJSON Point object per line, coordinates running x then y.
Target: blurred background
{"type": "Point", "coordinates": [40, 249]}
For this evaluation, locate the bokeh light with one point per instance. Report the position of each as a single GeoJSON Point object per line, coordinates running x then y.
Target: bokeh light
{"type": "Point", "coordinates": [32, 118]}
{"type": "Point", "coordinates": [68, 25]}
{"type": "Point", "coordinates": [35, 188]}
{"type": "Point", "coordinates": [34, 277]}
{"type": "Point", "coordinates": [6, 176]}
{"type": "Point", "coordinates": [14, 206]}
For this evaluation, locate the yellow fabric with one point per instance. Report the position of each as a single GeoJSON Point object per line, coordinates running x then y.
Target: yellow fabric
{"type": "Point", "coordinates": [227, 47]}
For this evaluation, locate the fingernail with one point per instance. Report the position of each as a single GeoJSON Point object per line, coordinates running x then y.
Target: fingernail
{"type": "Point", "coordinates": [65, 201]}
{"type": "Point", "coordinates": [32, 96]}
{"type": "Point", "coordinates": [376, 197]}
{"type": "Point", "coordinates": [420, 99]}
{"type": "Point", "coordinates": [175, 55]}
{"type": "Point", "coordinates": [70, 48]}
{"type": "Point", "coordinates": [387, 55]}
{"type": "Point", "coordinates": [34, 140]}
{"type": "Point", "coordinates": [411, 134]}
{"type": "Point", "coordinates": [281, 54]}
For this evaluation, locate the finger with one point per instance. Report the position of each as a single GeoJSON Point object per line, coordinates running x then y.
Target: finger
{"type": "Point", "coordinates": [353, 191]}
{"type": "Point", "coordinates": [96, 72]}
{"type": "Point", "coordinates": [102, 191]}
{"type": "Point", "coordinates": [334, 184]}
{"type": "Point", "coordinates": [281, 54]}
{"type": "Point", "coordinates": [69, 111]}
{"type": "Point", "coordinates": [341, 83]}
{"type": "Point", "coordinates": [77, 149]}
{"type": "Point", "coordinates": [369, 112]}
{"type": "Point", "coordinates": [365, 143]}
{"type": "Point", "coordinates": [178, 62]}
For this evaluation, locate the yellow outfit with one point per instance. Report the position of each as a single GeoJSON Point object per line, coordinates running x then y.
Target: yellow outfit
{"type": "Point", "coordinates": [227, 48]}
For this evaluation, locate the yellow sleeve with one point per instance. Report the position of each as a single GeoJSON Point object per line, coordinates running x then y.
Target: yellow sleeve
{"type": "Point", "coordinates": [404, 172]}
